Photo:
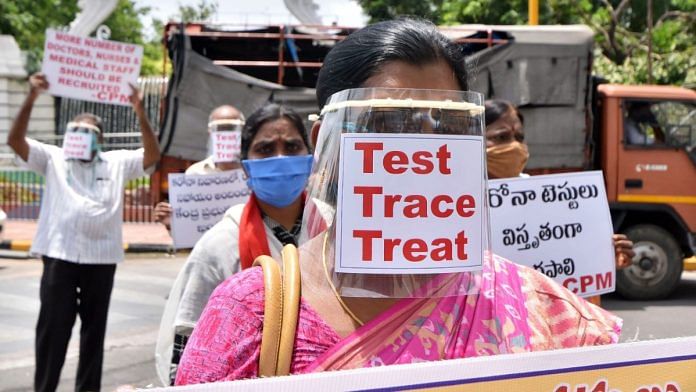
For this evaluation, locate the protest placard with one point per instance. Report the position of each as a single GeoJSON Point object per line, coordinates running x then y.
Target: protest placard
{"type": "Point", "coordinates": [90, 69]}
{"type": "Point", "coordinates": [200, 201]}
{"type": "Point", "coordinates": [227, 146]}
{"type": "Point", "coordinates": [409, 204]}
{"type": "Point", "coordinates": [77, 145]}
{"type": "Point", "coordinates": [558, 224]}
{"type": "Point", "coordinates": [664, 365]}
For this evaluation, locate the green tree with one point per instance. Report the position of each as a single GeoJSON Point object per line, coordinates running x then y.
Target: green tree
{"type": "Point", "coordinates": [125, 23]}
{"type": "Point", "coordinates": [203, 11]}
{"type": "Point", "coordinates": [154, 58]}
{"type": "Point", "coordinates": [620, 27]}
{"type": "Point", "coordinates": [27, 21]}
{"type": "Point", "coordinates": [390, 9]}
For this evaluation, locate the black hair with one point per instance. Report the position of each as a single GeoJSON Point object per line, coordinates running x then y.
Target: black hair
{"type": "Point", "coordinates": [358, 57]}
{"type": "Point", "coordinates": [270, 112]}
{"type": "Point", "coordinates": [496, 108]}
{"type": "Point", "coordinates": [91, 118]}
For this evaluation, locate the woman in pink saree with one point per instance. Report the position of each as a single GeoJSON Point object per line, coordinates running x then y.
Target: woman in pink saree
{"type": "Point", "coordinates": [349, 321]}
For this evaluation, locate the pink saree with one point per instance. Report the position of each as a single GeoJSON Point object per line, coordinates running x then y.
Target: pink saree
{"type": "Point", "coordinates": [516, 310]}
{"type": "Point", "coordinates": [440, 326]}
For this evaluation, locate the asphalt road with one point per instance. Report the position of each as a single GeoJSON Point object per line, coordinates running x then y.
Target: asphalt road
{"type": "Point", "coordinates": [140, 288]}
{"type": "Point", "coordinates": [142, 283]}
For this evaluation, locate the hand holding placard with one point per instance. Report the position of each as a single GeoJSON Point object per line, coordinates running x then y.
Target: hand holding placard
{"type": "Point", "coordinates": [37, 84]}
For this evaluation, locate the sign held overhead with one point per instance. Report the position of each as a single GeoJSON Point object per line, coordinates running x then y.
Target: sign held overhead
{"type": "Point", "coordinates": [90, 69]}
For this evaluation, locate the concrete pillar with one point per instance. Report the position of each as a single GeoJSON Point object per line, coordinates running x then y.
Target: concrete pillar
{"type": "Point", "coordinates": [13, 90]}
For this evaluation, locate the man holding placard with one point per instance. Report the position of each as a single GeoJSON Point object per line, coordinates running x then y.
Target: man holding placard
{"type": "Point", "coordinates": [224, 148]}
{"type": "Point", "coordinates": [79, 232]}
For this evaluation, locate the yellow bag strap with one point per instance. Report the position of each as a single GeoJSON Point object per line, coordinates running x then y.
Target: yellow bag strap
{"type": "Point", "coordinates": [281, 310]}
{"type": "Point", "coordinates": [291, 308]}
{"type": "Point", "coordinates": [272, 315]}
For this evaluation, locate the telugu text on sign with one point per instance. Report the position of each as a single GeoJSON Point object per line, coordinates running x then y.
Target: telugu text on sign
{"type": "Point", "coordinates": [200, 201]}
{"type": "Point", "coordinates": [559, 225]}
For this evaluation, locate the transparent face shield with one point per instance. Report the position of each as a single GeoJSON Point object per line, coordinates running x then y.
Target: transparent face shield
{"type": "Point", "coordinates": [81, 140]}
{"type": "Point", "coordinates": [225, 141]}
{"type": "Point", "coordinates": [432, 151]}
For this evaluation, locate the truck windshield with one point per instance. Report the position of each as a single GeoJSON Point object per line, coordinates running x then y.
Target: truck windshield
{"type": "Point", "coordinates": [660, 123]}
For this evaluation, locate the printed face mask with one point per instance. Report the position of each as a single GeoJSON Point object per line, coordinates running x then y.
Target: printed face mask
{"type": "Point", "coordinates": [225, 141]}
{"type": "Point", "coordinates": [278, 181]}
{"type": "Point", "coordinates": [225, 146]}
{"type": "Point", "coordinates": [506, 160]}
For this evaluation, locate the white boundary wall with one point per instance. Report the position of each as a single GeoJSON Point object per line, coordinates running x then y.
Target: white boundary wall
{"type": "Point", "coordinates": [13, 89]}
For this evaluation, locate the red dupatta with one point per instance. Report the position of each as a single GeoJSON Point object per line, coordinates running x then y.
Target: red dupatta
{"type": "Point", "coordinates": [252, 234]}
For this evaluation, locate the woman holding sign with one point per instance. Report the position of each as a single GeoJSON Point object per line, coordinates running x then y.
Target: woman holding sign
{"type": "Point", "coordinates": [275, 156]}
{"type": "Point", "coordinates": [393, 267]}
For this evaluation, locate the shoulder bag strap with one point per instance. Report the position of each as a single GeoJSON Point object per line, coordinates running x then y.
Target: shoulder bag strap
{"type": "Point", "coordinates": [291, 308]}
{"type": "Point", "coordinates": [281, 312]}
{"type": "Point", "coordinates": [272, 315]}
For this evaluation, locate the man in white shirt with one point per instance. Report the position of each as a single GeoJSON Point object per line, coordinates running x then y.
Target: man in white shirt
{"type": "Point", "coordinates": [223, 119]}
{"type": "Point", "coordinates": [78, 235]}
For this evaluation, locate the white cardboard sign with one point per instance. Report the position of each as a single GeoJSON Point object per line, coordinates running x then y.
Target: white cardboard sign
{"type": "Point", "coordinates": [227, 146]}
{"type": "Point", "coordinates": [90, 69]}
{"type": "Point", "coordinates": [77, 145]}
{"type": "Point", "coordinates": [409, 204]}
{"type": "Point", "coordinates": [200, 201]}
{"type": "Point", "coordinates": [558, 224]}
{"type": "Point", "coordinates": [663, 365]}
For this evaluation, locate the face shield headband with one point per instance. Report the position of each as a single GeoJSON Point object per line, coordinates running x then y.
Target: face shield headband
{"type": "Point", "coordinates": [226, 125]}
{"type": "Point", "coordinates": [397, 188]}
{"type": "Point", "coordinates": [82, 127]}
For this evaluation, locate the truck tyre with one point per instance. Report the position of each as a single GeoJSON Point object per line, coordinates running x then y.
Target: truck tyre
{"type": "Point", "coordinates": [657, 266]}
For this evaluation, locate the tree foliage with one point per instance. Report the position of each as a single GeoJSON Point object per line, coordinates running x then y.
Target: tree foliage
{"type": "Point", "coordinates": [621, 28]}
{"type": "Point", "coordinates": [203, 11]}
{"type": "Point", "coordinates": [27, 21]}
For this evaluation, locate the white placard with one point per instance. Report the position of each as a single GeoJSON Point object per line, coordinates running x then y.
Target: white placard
{"type": "Point", "coordinates": [409, 204]}
{"type": "Point", "coordinates": [90, 69]}
{"type": "Point", "coordinates": [199, 202]}
{"type": "Point", "coordinates": [663, 365]}
{"type": "Point", "coordinates": [227, 146]}
{"type": "Point", "coordinates": [77, 145]}
{"type": "Point", "coordinates": [558, 224]}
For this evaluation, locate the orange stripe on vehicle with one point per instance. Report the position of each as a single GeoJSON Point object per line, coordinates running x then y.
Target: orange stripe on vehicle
{"type": "Point", "coordinates": [658, 199]}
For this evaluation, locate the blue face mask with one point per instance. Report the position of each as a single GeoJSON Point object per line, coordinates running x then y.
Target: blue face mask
{"type": "Point", "coordinates": [96, 146]}
{"type": "Point", "coordinates": [278, 181]}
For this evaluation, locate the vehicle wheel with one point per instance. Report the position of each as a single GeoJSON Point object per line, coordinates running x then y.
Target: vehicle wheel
{"type": "Point", "coordinates": [657, 266]}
